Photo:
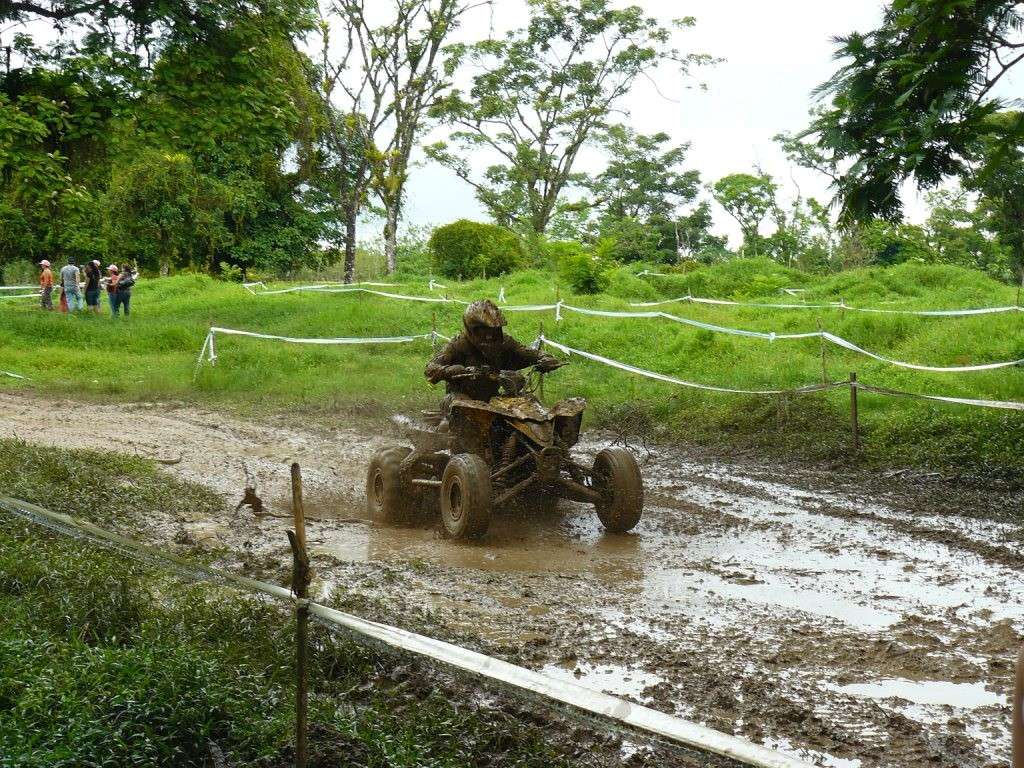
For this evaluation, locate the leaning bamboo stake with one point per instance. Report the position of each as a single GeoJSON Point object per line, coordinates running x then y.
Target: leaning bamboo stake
{"type": "Point", "coordinates": [540, 345]}
{"type": "Point", "coordinates": [300, 586]}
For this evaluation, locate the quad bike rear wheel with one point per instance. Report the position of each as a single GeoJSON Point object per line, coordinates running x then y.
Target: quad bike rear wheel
{"type": "Point", "coordinates": [466, 496]}
{"type": "Point", "coordinates": [617, 478]}
{"type": "Point", "coordinates": [388, 499]}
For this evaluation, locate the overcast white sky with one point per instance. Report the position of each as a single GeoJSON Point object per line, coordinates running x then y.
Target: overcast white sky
{"type": "Point", "coordinates": [775, 54]}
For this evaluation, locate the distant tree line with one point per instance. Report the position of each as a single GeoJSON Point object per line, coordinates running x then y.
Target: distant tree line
{"type": "Point", "coordinates": [231, 137]}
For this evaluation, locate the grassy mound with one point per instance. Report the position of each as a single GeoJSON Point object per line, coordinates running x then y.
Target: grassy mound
{"type": "Point", "coordinates": [152, 356]}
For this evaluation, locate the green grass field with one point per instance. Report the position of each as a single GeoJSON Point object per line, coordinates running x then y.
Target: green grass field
{"type": "Point", "coordinates": [152, 357]}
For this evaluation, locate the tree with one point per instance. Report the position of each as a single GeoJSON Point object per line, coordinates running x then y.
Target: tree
{"type": "Point", "coordinates": [400, 65]}
{"type": "Point", "coordinates": [95, 117]}
{"type": "Point", "coordinates": [956, 235]}
{"type": "Point", "coordinates": [748, 199]}
{"type": "Point", "coordinates": [162, 213]}
{"type": "Point", "coordinates": [538, 97]}
{"type": "Point", "coordinates": [692, 233]}
{"type": "Point", "coordinates": [51, 139]}
{"type": "Point", "coordinates": [915, 97]}
{"type": "Point", "coordinates": [643, 179]}
{"type": "Point", "coordinates": [998, 179]}
{"type": "Point", "coordinates": [889, 243]}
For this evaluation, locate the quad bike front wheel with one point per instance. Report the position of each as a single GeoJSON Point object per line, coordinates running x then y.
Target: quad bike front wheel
{"type": "Point", "coordinates": [617, 478]}
{"type": "Point", "coordinates": [466, 497]}
{"type": "Point", "coordinates": [388, 499]}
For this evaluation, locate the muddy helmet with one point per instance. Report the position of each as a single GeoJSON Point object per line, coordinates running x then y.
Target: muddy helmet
{"type": "Point", "coordinates": [483, 314]}
{"type": "Point", "coordinates": [484, 321]}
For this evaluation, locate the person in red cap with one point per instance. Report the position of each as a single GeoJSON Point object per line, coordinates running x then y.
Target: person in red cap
{"type": "Point", "coordinates": [113, 275]}
{"type": "Point", "coordinates": [46, 285]}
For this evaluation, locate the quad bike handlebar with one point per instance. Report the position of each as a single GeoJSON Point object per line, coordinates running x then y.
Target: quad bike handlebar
{"type": "Point", "coordinates": [513, 383]}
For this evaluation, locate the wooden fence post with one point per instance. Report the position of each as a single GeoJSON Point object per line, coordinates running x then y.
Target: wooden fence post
{"type": "Point", "coordinates": [540, 384]}
{"type": "Point", "coordinates": [821, 341]}
{"type": "Point", "coordinates": [1018, 714]}
{"type": "Point", "coordinates": [300, 586]}
{"type": "Point", "coordinates": [854, 425]}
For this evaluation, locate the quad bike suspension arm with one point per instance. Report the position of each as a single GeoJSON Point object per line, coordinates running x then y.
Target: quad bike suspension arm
{"type": "Point", "coordinates": [578, 492]}
{"type": "Point", "coordinates": [509, 467]}
{"type": "Point", "coordinates": [515, 490]}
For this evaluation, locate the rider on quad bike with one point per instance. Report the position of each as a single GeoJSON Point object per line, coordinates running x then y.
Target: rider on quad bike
{"type": "Point", "coordinates": [494, 442]}
{"type": "Point", "coordinates": [481, 358]}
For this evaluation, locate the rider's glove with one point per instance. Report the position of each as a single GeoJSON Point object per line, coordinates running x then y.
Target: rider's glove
{"type": "Point", "coordinates": [548, 364]}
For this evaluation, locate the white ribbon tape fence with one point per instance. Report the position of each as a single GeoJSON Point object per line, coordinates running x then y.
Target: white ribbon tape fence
{"type": "Point", "coordinates": [318, 288]}
{"type": "Point", "coordinates": [209, 348]}
{"type": "Point", "coordinates": [559, 306]}
{"type": "Point", "coordinates": [772, 336]}
{"type": "Point", "coordinates": [680, 382]}
{"type": "Point", "coordinates": [20, 296]}
{"type": "Point", "coordinates": [832, 305]}
{"type": "Point", "coordinates": [208, 352]}
{"type": "Point", "coordinates": [643, 718]}
{"type": "Point", "coordinates": [1000, 404]}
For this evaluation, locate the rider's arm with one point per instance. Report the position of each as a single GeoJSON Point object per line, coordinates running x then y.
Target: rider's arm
{"type": "Point", "coordinates": [443, 366]}
{"type": "Point", "coordinates": [522, 356]}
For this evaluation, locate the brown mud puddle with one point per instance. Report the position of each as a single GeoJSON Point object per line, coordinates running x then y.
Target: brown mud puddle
{"type": "Point", "coordinates": [850, 621]}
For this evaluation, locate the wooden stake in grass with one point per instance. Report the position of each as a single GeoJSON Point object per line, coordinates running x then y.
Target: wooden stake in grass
{"type": "Point", "coordinates": [300, 586]}
{"type": "Point", "coordinates": [821, 340]}
{"type": "Point", "coordinates": [854, 425]}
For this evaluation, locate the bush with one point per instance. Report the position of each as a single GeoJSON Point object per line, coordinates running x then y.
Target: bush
{"type": "Point", "coordinates": [469, 249]}
{"type": "Point", "coordinates": [586, 273]}
{"type": "Point", "coordinates": [555, 252]}
{"type": "Point", "coordinates": [632, 241]}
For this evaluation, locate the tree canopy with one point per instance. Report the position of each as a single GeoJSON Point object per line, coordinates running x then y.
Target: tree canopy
{"type": "Point", "coordinates": [539, 95]}
{"type": "Point", "coordinates": [914, 98]}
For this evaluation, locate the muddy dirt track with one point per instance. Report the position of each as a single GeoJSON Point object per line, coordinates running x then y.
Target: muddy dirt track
{"type": "Point", "coordinates": [851, 619]}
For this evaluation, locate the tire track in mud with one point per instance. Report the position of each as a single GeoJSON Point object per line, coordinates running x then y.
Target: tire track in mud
{"type": "Point", "coordinates": [744, 602]}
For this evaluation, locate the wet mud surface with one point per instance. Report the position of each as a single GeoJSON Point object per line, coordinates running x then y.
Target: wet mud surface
{"type": "Point", "coordinates": [849, 618]}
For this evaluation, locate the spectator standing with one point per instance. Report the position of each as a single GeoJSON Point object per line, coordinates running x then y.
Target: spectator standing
{"type": "Point", "coordinates": [92, 285]}
{"type": "Point", "coordinates": [46, 285]}
{"type": "Point", "coordinates": [123, 289]}
{"type": "Point", "coordinates": [113, 274]}
{"type": "Point", "coordinates": [69, 277]}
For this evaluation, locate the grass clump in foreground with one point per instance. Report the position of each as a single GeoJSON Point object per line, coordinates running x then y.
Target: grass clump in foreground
{"type": "Point", "coordinates": [153, 356]}
{"type": "Point", "coordinates": [109, 661]}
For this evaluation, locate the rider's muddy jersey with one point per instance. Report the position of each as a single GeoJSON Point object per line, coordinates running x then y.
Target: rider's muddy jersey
{"type": "Point", "coordinates": [509, 356]}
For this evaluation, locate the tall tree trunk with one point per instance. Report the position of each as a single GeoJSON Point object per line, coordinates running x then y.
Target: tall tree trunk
{"type": "Point", "coordinates": [392, 212]}
{"type": "Point", "coordinates": [350, 243]}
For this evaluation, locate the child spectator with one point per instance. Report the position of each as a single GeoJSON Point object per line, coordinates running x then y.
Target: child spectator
{"type": "Point", "coordinates": [113, 274]}
{"type": "Point", "coordinates": [46, 285]}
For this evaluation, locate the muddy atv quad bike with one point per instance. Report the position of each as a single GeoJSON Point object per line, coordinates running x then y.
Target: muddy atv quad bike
{"type": "Point", "coordinates": [488, 454]}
